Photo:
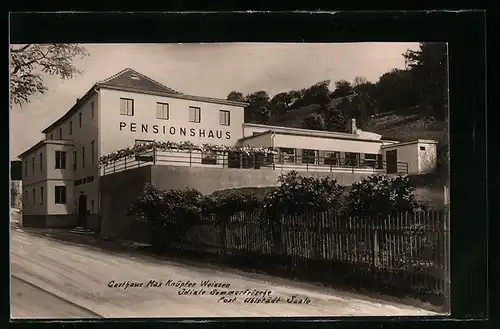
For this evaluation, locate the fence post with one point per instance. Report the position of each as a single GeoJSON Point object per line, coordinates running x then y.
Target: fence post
{"type": "Point", "coordinates": [376, 248]}
{"type": "Point", "coordinates": [114, 166]}
{"type": "Point", "coordinates": [190, 156]}
{"type": "Point", "coordinates": [125, 163]}
{"type": "Point", "coordinates": [154, 154]}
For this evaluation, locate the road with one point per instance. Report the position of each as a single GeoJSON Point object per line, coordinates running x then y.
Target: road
{"type": "Point", "coordinates": [91, 278]}
{"type": "Point", "coordinates": [26, 303]}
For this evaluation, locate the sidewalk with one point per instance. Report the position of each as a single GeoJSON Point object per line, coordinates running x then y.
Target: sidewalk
{"type": "Point", "coordinates": [92, 241]}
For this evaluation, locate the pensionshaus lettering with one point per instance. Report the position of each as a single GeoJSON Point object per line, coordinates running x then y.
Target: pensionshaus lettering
{"type": "Point", "coordinates": [170, 130]}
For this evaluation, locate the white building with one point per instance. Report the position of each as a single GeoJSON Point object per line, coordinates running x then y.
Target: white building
{"type": "Point", "coordinates": [130, 108]}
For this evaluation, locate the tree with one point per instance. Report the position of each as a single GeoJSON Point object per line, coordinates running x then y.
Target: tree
{"type": "Point", "coordinates": [281, 103]}
{"type": "Point", "coordinates": [259, 110]}
{"type": "Point", "coordinates": [342, 88]}
{"type": "Point", "coordinates": [428, 66]}
{"type": "Point", "coordinates": [314, 121]}
{"type": "Point", "coordinates": [335, 119]}
{"type": "Point", "coordinates": [29, 62]}
{"type": "Point", "coordinates": [318, 93]}
{"type": "Point", "coordinates": [365, 99]}
{"type": "Point", "coordinates": [395, 91]}
{"type": "Point", "coordinates": [360, 81]}
{"type": "Point", "coordinates": [14, 194]}
{"type": "Point", "coordinates": [235, 96]}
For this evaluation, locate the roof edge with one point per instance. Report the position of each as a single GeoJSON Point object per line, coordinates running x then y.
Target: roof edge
{"type": "Point", "coordinates": [43, 142]}
{"type": "Point", "coordinates": [172, 95]}
{"type": "Point", "coordinates": [73, 109]}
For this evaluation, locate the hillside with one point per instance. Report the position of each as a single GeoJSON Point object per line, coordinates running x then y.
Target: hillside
{"type": "Point", "coordinates": [407, 127]}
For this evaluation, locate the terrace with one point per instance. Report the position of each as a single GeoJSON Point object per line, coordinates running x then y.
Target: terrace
{"type": "Point", "coordinates": [280, 160]}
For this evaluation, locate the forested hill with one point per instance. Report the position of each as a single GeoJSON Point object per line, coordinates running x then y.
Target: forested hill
{"type": "Point", "coordinates": [404, 104]}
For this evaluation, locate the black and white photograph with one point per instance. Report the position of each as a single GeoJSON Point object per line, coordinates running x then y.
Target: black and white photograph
{"type": "Point", "coordinates": [199, 180]}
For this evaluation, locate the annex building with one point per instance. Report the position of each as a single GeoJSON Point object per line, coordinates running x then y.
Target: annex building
{"type": "Point", "coordinates": [129, 108]}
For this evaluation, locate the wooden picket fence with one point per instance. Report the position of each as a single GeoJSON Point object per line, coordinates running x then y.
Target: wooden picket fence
{"type": "Point", "coordinates": [404, 250]}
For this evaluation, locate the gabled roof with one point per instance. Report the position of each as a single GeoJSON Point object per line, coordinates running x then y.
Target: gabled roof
{"type": "Point", "coordinates": [129, 78]}
{"type": "Point", "coordinates": [132, 81]}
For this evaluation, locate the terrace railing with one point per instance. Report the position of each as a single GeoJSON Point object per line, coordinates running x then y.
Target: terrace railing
{"type": "Point", "coordinates": [280, 162]}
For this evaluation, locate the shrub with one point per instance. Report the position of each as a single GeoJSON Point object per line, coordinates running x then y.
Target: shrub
{"type": "Point", "coordinates": [223, 206]}
{"type": "Point", "coordinates": [297, 194]}
{"type": "Point", "coordinates": [171, 213]}
{"type": "Point", "coordinates": [381, 195]}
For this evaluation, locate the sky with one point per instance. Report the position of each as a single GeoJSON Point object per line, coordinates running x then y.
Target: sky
{"type": "Point", "coordinates": [211, 70]}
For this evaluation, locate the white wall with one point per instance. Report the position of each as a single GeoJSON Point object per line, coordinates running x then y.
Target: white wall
{"type": "Point", "coordinates": [427, 159]}
{"type": "Point", "coordinates": [326, 144]}
{"type": "Point", "coordinates": [60, 209]}
{"type": "Point", "coordinates": [144, 124]}
{"type": "Point", "coordinates": [35, 206]}
{"type": "Point", "coordinates": [81, 137]}
{"type": "Point", "coordinates": [406, 153]}
{"type": "Point", "coordinates": [51, 171]}
{"type": "Point", "coordinates": [264, 141]}
{"type": "Point", "coordinates": [39, 174]}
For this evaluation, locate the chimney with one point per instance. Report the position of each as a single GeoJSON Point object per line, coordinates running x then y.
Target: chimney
{"type": "Point", "coordinates": [351, 126]}
{"type": "Point", "coordinates": [77, 100]}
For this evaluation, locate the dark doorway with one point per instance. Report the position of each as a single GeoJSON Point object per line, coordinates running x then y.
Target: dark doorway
{"type": "Point", "coordinates": [82, 210]}
{"type": "Point", "coordinates": [391, 158]}
{"type": "Point", "coordinates": [233, 160]}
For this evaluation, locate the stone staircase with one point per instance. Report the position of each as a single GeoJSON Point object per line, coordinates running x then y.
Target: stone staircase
{"type": "Point", "coordinates": [81, 230]}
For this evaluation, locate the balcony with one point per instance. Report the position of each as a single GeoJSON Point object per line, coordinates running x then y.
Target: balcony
{"type": "Point", "coordinates": [282, 162]}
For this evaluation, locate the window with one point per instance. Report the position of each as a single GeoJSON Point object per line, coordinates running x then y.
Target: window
{"type": "Point", "coordinates": [71, 128]}
{"type": "Point", "coordinates": [146, 156]}
{"type": "Point", "coordinates": [209, 157]}
{"type": "Point", "coordinates": [422, 148]}
{"type": "Point", "coordinates": [83, 156]}
{"type": "Point", "coordinates": [162, 111]}
{"type": "Point", "coordinates": [287, 155]}
{"type": "Point", "coordinates": [352, 159]}
{"type": "Point", "coordinates": [34, 196]}
{"type": "Point", "coordinates": [26, 168]}
{"type": "Point", "coordinates": [60, 133]}
{"type": "Point", "coordinates": [92, 151]}
{"type": "Point", "coordinates": [51, 137]}
{"type": "Point", "coordinates": [332, 158]}
{"type": "Point", "coordinates": [74, 160]}
{"type": "Point", "coordinates": [309, 156]}
{"type": "Point", "coordinates": [194, 114]}
{"type": "Point", "coordinates": [26, 197]}
{"type": "Point", "coordinates": [60, 160]}
{"type": "Point", "coordinates": [41, 161]}
{"type": "Point", "coordinates": [80, 119]}
{"type": "Point", "coordinates": [370, 160]}
{"type": "Point", "coordinates": [41, 194]}
{"type": "Point", "coordinates": [224, 118]}
{"type": "Point", "coordinates": [92, 110]}
{"type": "Point", "coordinates": [32, 165]}
{"type": "Point", "coordinates": [91, 206]}
{"type": "Point", "coordinates": [60, 194]}
{"type": "Point", "coordinates": [126, 106]}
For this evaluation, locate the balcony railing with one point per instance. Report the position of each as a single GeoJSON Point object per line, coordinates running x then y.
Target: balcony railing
{"type": "Point", "coordinates": [280, 162]}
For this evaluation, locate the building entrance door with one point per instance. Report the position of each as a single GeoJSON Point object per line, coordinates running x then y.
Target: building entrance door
{"type": "Point", "coordinates": [82, 210]}
{"type": "Point", "coordinates": [391, 158]}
